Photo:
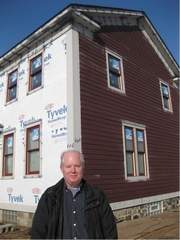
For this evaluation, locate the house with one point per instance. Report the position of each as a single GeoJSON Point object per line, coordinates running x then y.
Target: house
{"type": "Point", "coordinates": [100, 80]}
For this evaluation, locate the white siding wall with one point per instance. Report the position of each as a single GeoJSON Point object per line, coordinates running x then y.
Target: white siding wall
{"type": "Point", "coordinates": [49, 105]}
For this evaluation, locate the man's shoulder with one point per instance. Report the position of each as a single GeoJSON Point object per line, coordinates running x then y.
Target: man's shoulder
{"type": "Point", "coordinates": [54, 189]}
{"type": "Point", "coordinates": [93, 190]}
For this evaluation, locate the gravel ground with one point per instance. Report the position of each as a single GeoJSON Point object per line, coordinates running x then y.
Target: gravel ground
{"type": "Point", "coordinates": [162, 226]}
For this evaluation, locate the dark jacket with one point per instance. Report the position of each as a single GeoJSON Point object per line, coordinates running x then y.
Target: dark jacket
{"type": "Point", "coordinates": [48, 218]}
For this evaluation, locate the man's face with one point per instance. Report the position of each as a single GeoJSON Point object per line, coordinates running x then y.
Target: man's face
{"type": "Point", "coordinates": [72, 168]}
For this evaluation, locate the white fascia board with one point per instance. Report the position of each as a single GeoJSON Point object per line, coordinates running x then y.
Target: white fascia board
{"type": "Point", "coordinates": [110, 11]}
{"type": "Point", "coordinates": [160, 48]}
{"type": "Point", "coordinates": [84, 18]}
{"type": "Point", "coordinates": [159, 39]}
{"type": "Point", "coordinates": [142, 201]}
{"type": "Point", "coordinates": [158, 52]}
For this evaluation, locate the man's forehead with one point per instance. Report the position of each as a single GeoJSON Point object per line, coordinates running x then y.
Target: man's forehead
{"type": "Point", "coordinates": [72, 154]}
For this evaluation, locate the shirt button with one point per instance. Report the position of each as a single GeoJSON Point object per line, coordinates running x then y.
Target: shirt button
{"type": "Point", "coordinates": [74, 224]}
{"type": "Point", "coordinates": [74, 212]}
{"type": "Point", "coordinates": [75, 238]}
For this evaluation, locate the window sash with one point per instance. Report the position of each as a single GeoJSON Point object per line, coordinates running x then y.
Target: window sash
{"type": "Point", "coordinates": [165, 94]}
{"type": "Point", "coordinates": [11, 93]}
{"type": "Point", "coordinates": [136, 148]}
{"type": "Point", "coordinates": [114, 65]}
{"type": "Point", "coordinates": [166, 104]}
{"type": "Point", "coordinates": [33, 150]}
{"type": "Point", "coordinates": [35, 72]}
{"type": "Point", "coordinates": [36, 64]}
{"type": "Point", "coordinates": [141, 163]}
{"type": "Point", "coordinates": [12, 78]}
{"type": "Point", "coordinates": [33, 162]}
{"type": "Point", "coordinates": [114, 80]}
{"type": "Point", "coordinates": [36, 80]}
{"type": "Point", "coordinates": [12, 85]}
{"type": "Point", "coordinates": [8, 165]}
{"type": "Point", "coordinates": [130, 166]}
{"type": "Point", "coordinates": [8, 151]}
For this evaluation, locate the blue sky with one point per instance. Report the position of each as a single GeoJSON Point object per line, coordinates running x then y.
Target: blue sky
{"type": "Point", "coordinates": [19, 18]}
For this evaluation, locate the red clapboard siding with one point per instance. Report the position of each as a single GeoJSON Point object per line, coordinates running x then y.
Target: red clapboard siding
{"type": "Point", "coordinates": [102, 112]}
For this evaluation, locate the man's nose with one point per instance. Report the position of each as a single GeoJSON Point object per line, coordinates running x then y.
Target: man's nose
{"type": "Point", "coordinates": [73, 169]}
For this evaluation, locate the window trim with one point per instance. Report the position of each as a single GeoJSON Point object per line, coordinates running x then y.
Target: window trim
{"type": "Point", "coordinates": [8, 101]}
{"type": "Point", "coordinates": [162, 99]}
{"type": "Point", "coordinates": [29, 174]}
{"type": "Point", "coordinates": [135, 127]}
{"type": "Point", "coordinates": [29, 90]}
{"type": "Point", "coordinates": [122, 82]}
{"type": "Point", "coordinates": [3, 172]}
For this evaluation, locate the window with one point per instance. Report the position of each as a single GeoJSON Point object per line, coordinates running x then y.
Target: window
{"type": "Point", "coordinates": [12, 85]}
{"type": "Point", "coordinates": [165, 95]}
{"type": "Point", "coordinates": [33, 150]}
{"type": "Point", "coordinates": [35, 72]}
{"type": "Point", "coordinates": [135, 151]}
{"type": "Point", "coordinates": [8, 155]}
{"type": "Point", "coordinates": [115, 72]}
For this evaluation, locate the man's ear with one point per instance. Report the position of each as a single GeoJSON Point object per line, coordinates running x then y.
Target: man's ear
{"type": "Point", "coordinates": [60, 167]}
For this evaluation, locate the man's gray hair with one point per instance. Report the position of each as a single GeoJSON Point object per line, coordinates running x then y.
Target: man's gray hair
{"type": "Point", "coordinates": [72, 150]}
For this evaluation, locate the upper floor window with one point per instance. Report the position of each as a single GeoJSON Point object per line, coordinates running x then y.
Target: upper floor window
{"type": "Point", "coordinates": [35, 72]}
{"type": "Point", "coordinates": [12, 86]}
{"type": "Point", "coordinates": [8, 152]}
{"type": "Point", "coordinates": [33, 150]}
{"type": "Point", "coordinates": [165, 95]}
{"type": "Point", "coordinates": [115, 72]}
{"type": "Point", "coordinates": [135, 152]}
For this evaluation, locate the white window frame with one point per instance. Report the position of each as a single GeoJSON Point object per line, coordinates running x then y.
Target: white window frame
{"type": "Point", "coordinates": [169, 99]}
{"type": "Point", "coordinates": [140, 127]}
{"type": "Point", "coordinates": [33, 175]}
{"type": "Point", "coordinates": [122, 84]}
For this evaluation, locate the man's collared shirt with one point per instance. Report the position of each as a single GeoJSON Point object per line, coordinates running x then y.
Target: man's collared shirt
{"type": "Point", "coordinates": [74, 218]}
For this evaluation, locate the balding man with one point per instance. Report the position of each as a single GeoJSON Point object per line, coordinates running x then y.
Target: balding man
{"type": "Point", "coordinates": [73, 209]}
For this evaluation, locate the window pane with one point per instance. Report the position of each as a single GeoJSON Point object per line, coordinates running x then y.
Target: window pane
{"type": "Point", "coordinates": [140, 140]}
{"type": "Point", "coordinates": [165, 90]}
{"type": "Point", "coordinates": [34, 161]}
{"type": "Point", "coordinates": [9, 165]}
{"type": "Point", "coordinates": [13, 78]}
{"type": "Point", "coordinates": [114, 80]}
{"type": "Point", "coordinates": [166, 103]}
{"type": "Point", "coordinates": [9, 144]}
{"type": "Point", "coordinates": [141, 164]}
{"type": "Point", "coordinates": [129, 163]}
{"type": "Point", "coordinates": [129, 139]}
{"type": "Point", "coordinates": [114, 63]}
{"type": "Point", "coordinates": [33, 138]}
{"type": "Point", "coordinates": [36, 64]}
{"type": "Point", "coordinates": [12, 93]}
{"type": "Point", "coordinates": [36, 80]}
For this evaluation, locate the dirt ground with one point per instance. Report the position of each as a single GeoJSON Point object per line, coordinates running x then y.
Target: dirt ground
{"type": "Point", "coordinates": [162, 226]}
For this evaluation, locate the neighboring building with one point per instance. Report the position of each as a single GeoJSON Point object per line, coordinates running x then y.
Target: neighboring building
{"type": "Point", "coordinates": [100, 80]}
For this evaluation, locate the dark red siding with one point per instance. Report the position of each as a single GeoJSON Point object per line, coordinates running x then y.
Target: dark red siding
{"type": "Point", "coordinates": [103, 111]}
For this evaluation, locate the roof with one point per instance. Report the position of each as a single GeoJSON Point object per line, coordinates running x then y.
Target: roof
{"type": "Point", "coordinates": [95, 18]}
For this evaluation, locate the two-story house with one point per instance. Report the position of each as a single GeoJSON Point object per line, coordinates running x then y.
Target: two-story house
{"type": "Point", "coordinates": [96, 79]}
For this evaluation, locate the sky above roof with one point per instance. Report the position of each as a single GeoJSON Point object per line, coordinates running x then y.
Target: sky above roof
{"type": "Point", "coordinates": [19, 18]}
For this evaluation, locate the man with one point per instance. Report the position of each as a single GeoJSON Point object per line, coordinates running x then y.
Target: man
{"type": "Point", "coordinates": [73, 209]}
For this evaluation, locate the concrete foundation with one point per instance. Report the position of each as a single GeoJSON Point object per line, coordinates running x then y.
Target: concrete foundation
{"type": "Point", "coordinates": [25, 218]}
